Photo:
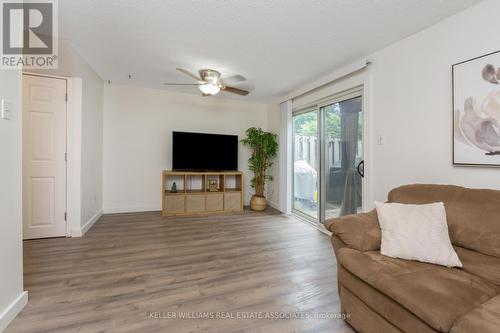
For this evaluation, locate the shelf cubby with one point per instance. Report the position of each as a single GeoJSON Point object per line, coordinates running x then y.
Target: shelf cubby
{"type": "Point", "coordinates": [220, 182]}
{"type": "Point", "coordinates": [195, 183]}
{"type": "Point", "coordinates": [170, 179]}
{"type": "Point", "coordinates": [233, 182]}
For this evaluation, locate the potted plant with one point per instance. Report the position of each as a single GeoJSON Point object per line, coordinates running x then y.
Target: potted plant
{"type": "Point", "coordinates": [264, 147]}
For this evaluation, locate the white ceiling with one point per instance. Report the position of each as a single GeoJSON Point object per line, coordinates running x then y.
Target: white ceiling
{"type": "Point", "coordinates": [278, 45]}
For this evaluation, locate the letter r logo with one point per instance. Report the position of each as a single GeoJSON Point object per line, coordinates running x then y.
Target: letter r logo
{"type": "Point", "coordinates": [27, 27]}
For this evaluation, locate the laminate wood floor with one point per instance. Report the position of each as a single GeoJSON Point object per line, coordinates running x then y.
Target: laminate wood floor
{"type": "Point", "coordinates": [131, 272]}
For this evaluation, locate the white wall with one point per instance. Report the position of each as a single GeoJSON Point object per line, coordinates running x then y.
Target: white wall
{"type": "Point", "coordinates": [411, 102]}
{"type": "Point", "coordinates": [71, 64]}
{"type": "Point", "coordinates": [138, 125]}
{"type": "Point", "coordinates": [408, 102]}
{"type": "Point", "coordinates": [12, 297]}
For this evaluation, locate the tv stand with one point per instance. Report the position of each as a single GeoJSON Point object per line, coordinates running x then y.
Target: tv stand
{"type": "Point", "coordinates": [194, 196]}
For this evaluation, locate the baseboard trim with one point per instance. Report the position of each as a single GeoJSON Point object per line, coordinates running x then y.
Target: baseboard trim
{"type": "Point", "coordinates": [79, 232]}
{"type": "Point", "coordinates": [274, 205]}
{"type": "Point", "coordinates": [116, 210]}
{"type": "Point", "coordinates": [13, 310]}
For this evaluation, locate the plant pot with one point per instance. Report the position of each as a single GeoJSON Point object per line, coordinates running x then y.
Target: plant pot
{"type": "Point", "coordinates": [258, 203]}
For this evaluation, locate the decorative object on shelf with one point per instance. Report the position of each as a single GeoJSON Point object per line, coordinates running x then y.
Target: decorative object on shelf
{"type": "Point", "coordinates": [476, 111]}
{"type": "Point", "coordinates": [174, 188]}
{"type": "Point", "coordinates": [213, 185]}
{"type": "Point", "coordinates": [264, 148]}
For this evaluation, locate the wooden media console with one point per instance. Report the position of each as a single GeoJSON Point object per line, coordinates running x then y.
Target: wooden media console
{"type": "Point", "coordinates": [201, 193]}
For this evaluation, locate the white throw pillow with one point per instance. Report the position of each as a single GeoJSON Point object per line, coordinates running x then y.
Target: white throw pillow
{"type": "Point", "coordinates": [416, 232]}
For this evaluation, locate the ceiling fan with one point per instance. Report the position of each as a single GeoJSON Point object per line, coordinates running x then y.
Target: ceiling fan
{"type": "Point", "coordinates": [210, 83]}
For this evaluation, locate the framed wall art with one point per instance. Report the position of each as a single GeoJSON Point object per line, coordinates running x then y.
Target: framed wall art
{"type": "Point", "coordinates": [476, 111]}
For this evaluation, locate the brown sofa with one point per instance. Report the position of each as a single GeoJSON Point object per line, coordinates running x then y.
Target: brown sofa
{"type": "Point", "coordinates": [382, 294]}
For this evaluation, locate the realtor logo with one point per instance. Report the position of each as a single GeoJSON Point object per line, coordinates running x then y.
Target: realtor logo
{"type": "Point", "coordinates": [29, 34]}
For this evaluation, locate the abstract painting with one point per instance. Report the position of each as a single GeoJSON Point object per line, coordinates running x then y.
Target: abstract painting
{"type": "Point", "coordinates": [476, 111]}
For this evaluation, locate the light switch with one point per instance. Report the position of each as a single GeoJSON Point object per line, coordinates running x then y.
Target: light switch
{"type": "Point", "coordinates": [380, 140]}
{"type": "Point", "coordinates": [6, 110]}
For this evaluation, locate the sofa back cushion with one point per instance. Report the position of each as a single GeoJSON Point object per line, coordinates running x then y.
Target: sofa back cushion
{"type": "Point", "coordinates": [473, 215]}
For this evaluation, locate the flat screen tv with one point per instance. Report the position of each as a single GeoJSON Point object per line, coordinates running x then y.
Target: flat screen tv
{"type": "Point", "coordinates": [204, 152]}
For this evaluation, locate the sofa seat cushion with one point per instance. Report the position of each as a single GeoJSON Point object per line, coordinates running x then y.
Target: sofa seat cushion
{"type": "Point", "coordinates": [485, 318]}
{"type": "Point", "coordinates": [438, 295]}
{"type": "Point", "coordinates": [380, 303]}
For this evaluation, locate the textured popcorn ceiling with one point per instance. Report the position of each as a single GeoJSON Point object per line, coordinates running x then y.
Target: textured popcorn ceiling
{"type": "Point", "coordinates": [278, 45]}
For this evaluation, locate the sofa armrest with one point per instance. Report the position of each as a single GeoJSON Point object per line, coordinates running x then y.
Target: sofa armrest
{"type": "Point", "coordinates": [360, 231]}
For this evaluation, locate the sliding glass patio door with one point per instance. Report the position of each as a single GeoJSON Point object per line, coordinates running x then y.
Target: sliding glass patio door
{"type": "Point", "coordinates": [343, 163]}
{"type": "Point", "coordinates": [306, 163]}
{"type": "Point", "coordinates": [328, 162]}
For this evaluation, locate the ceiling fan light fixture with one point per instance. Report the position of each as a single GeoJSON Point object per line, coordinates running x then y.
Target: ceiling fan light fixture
{"type": "Point", "coordinates": [209, 88]}
{"type": "Point", "coordinates": [209, 82]}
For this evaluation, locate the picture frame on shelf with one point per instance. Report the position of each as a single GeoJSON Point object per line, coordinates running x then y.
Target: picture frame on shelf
{"type": "Point", "coordinates": [213, 184]}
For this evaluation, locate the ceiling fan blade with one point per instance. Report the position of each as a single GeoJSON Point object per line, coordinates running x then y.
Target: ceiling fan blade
{"type": "Point", "coordinates": [234, 79]}
{"type": "Point", "coordinates": [181, 84]}
{"type": "Point", "coordinates": [236, 90]}
{"type": "Point", "coordinates": [188, 73]}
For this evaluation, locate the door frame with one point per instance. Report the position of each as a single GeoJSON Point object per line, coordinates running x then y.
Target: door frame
{"type": "Point", "coordinates": [73, 150]}
{"type": "Point", "coordinates": [355, 91]}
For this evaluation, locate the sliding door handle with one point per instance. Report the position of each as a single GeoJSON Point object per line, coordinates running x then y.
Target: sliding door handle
{"type": "Point", "coordinates": [361, 168]}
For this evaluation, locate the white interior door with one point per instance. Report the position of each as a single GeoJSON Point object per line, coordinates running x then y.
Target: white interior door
{"type": "Point", "coordinates": [44, 157]}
